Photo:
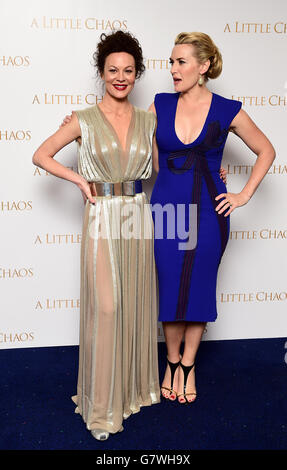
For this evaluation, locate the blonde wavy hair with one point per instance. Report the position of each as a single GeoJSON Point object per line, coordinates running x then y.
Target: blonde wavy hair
{"type": "Point", "coordinates": [204, 49]}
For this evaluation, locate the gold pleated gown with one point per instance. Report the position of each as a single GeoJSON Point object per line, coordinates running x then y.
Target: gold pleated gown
{"type": "Point", "coordinates": [118, 365]}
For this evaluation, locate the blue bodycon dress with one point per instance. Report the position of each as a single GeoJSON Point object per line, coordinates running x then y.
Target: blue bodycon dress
{"type": "Point", "coordinates": [189, 178]}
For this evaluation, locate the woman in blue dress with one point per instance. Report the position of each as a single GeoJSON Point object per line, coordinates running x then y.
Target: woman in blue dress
{"type": "Point", "coordinates": [190, 203]}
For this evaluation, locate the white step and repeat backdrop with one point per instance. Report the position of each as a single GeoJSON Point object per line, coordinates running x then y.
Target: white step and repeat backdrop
{"type": "Point", "coordinates": [46, 72]}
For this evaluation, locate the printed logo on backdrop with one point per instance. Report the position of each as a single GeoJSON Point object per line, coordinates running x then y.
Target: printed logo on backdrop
{"type": "Point", "coordinates": [256, 28]}
{"type": "Point", "coordinates": [272, 100]}
{"type": "Point", "coordinates": [57, 304]}
{"type": "Point", "coordinates": [263, 234]}
{"type": "Point", "coordinates": [19, 337]}
{"type": "Point", "coordinates": [278, 169]}
{"type": "Point", "coordinates": [77, 24]}
{"type": "Point", "coordinates": [12, 206]}
{"type": "Point", "coordinates": [14, 135]}
{"type": "Point", "coordinates": [157, 64]}
{"type": "Point", "coordinates": [58, 239]}
{"type": "Point", "coordinates": [261, 296]}
{"type": "Point", "coordinates": [14, 61]}
{"type": "Point", "coordinates": [16, 273]}
{"type": "Point", "coordinates": [66, 99]}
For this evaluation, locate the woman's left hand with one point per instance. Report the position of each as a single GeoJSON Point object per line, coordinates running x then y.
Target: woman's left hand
{"type": "Point", "coordinates": [231, 201]}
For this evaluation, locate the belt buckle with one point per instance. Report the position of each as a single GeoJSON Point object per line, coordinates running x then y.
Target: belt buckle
{"type": "Point", "coordinates": [129, 188]}
{"type": "Point", "coordinates": [124, 188]}
{"type": "Point", "coordinates": [117, 189]}
{"type": "Point", "coordinates": [107, 189]}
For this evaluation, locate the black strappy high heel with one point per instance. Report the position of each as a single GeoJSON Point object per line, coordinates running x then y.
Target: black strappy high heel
{"type": "Point", "coordinates": [173, 366]}
{"type": "Point", "coordinates": [186, 371]}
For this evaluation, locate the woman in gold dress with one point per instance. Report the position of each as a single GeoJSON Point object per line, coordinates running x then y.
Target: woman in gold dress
{"type": "Point", "coordinates": [118, 364]}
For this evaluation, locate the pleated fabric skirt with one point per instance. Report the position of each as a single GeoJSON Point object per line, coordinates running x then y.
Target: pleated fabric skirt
{"type": "Point", "coordinates": [118, 362]}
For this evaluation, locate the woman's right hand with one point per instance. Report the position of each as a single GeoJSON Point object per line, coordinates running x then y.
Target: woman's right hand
{"type": "Point", "coordinates": [66, 120]}
{"type": "Point", "coordinates": [84, 186]}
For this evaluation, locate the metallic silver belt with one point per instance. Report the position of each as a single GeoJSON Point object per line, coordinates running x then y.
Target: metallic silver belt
{"type": "Point", "coordinates": [124, 188]}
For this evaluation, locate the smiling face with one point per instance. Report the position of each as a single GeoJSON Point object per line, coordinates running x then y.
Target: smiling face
{"type": "Point", "coordinates": [185, 68]}
{"type": "Point", "coordinates": [119, 74]}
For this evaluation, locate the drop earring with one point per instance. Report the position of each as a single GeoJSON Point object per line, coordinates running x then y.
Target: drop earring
{"type": "Point", "coordinates": [200, 80]}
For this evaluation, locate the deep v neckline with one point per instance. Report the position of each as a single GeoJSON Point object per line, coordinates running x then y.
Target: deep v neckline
{"type": "Point", "coordinates": [204, 125]}
{"type": "Point", "coordinates": [129, 131]}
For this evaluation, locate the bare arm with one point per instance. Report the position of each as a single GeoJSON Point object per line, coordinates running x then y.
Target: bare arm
{"type": "Point", "coordinates": [44, 155]}
{"type": "Point", "coordinates": [243, 126]}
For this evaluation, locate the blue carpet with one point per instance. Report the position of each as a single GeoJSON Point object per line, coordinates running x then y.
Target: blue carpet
{"type": "Point", "coordinates": [241, 402]}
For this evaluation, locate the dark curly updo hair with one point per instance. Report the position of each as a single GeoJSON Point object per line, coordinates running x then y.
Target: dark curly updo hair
{"type": "Point", "coordinates": [118, 41]}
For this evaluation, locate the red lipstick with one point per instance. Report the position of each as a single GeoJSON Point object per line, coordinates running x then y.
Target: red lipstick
{"type": "Point", "coordinates": [120, 87]}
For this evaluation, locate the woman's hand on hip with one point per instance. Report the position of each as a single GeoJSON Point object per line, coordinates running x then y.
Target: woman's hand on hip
{"type": "Point", "coordinates": [84, 186]}
{"type": "Point", "coordinates": [230, 201]}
